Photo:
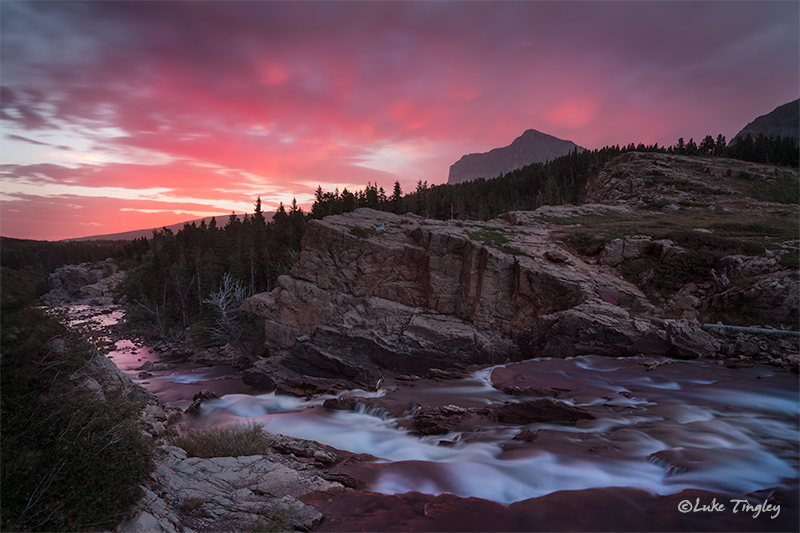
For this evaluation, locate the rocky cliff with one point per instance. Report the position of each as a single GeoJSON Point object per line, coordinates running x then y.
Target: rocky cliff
{"type": "Point", "coordinates": [530, 147]}
{"type": "Point", "coordinates": [374, 294]}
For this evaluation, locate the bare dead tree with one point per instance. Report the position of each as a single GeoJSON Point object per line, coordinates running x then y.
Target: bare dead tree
{"type": "Point", "coordinates": [227, 301]}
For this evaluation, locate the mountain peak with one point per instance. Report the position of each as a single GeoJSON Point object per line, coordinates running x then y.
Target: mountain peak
{"type": "Point", "coordinates": [782, 121]}
{"type": "Point", "coordinates": [532, 146]}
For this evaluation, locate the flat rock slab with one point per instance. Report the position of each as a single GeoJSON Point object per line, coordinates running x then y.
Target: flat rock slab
{"type": "Point", "coordinates": [227, 493]}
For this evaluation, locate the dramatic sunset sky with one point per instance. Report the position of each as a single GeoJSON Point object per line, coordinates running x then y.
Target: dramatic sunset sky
{"type": "Point", "coordinates": [128, 115]}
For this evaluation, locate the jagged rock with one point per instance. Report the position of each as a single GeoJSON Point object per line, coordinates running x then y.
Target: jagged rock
{"type": "Point", "coordinates": [442, 420]}
{"type": "Point", "coordinates": [198, 399]}
{"type": "Point", "coordinates": [258, 379]}
{"type": "Point", "coordinates": [688, 340]}
{"type": "Point", "coordinates": [305, 448]}
{"type": "Point", "coordinates": [774, 298]}
{"type": "Point", "coordinates": [239, 489]}
{"type": "Point", "coordinates": [68, 280]}
{"type": "Point", "coordinates": [104, 288]}
{"type": "Point", "coordinates": [743, 266]}
{"type": "Point", "coordinates": [421, 296]}
{"type": "Point", "coordinates": [527, 435]}
{"type": "Point", "coordinates": [106, 373]}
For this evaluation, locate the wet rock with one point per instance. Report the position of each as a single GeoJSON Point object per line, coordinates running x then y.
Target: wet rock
{"type": "Point", "coordinates": [198, 399]}
{"type": "Point", "coordinates": [515, 390]}
{"type": "Point", "coordinates": [258, 379]}
{"type": "Point", "coordinates": [441, 420]}
{"type": "Point", "coordinates": [539, 410]}
{"type": "Point", "coordinates": [688, 340]}
{"type": "Point", "coordinates": [527, 435]}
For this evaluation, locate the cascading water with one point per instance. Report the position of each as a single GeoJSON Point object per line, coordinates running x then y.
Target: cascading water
{"type": "Point", "coordinates": [682, 425]}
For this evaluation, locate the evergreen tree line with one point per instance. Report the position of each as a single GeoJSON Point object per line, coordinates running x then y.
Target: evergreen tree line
{"type": "Point", "coordinates": [49, 255]}
{"type": "Point", "coordinates": [181, 270]}
{"type": "Point", "coordinates": [762, 149]}
{"type": "Point", "coordinates": [559, 181]}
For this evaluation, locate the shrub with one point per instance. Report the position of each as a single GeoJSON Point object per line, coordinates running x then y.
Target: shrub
{"type": "Point", "coordinates": [70, 461]}
{"type": "Point", "coordinates": [250, 439]}
{"type": "Point", "coordinates": [364, 233]}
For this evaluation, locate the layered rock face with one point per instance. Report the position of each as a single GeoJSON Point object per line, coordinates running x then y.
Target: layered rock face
{"type": "Point", "coordinates": [530, 147]}
{"type": "Point", "coordinates": [374, 294]}
{"type": "Point", "coordinates": [85, 281]}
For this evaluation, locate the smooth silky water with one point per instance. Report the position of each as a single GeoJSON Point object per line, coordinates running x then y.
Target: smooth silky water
{"type": "Point", "coordinates": [687, 424]}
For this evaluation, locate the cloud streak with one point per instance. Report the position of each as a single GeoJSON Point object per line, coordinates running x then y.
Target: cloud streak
{"type": "Point", "coordinates": [222, 101]}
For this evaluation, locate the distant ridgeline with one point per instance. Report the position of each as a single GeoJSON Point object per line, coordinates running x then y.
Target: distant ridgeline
{"type": "Point", "coordinates": [559, 181]}
{"type": "Point", "coordinates": [779, 125]}
{"type": "Point", "coordinates": [530, 147]}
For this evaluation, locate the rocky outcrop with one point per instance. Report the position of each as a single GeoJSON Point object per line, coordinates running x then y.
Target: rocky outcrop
{"type": "Point", "coordinates": [71, 283]}
{"type": "Point", "coordinates": [227, 494]}
{"type": "Point", "coordinates": [425, 294]}
{"type": "Point", "coordinates": [663, 181]}
{"type": "Point", "coordinates": [773, 297]}
{"type": "Point", "coordinates": [530, 147]}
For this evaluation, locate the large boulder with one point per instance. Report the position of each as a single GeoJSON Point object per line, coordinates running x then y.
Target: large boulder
{"type": "Point", "coordinates": [375, 294]}
{"type": "Point", "coordinates": [688, 340]}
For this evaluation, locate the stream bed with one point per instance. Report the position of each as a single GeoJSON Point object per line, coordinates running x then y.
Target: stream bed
{"type": "Point", "coordinates": [682, 425]}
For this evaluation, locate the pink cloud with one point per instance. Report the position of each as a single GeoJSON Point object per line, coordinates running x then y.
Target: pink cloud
{"type": "Point", "coordinates": [280, 96]}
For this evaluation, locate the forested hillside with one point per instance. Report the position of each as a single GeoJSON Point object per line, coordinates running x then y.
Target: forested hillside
{"type": "Point", "coordinates": [182, 269]}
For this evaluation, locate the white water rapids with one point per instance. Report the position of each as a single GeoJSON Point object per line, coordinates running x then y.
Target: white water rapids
{"type": "Point", "coordinates": [688, 424]}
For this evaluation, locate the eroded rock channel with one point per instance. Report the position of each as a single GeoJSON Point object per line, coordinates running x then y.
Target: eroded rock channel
{"type": "Point", "coordinates": [520, 442]}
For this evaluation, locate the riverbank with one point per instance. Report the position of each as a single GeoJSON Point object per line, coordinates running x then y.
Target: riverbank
{"type": "Point", "coordinates": [346, 461]}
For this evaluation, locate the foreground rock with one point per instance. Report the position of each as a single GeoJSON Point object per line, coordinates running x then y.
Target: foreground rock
{"type": "Point", "coordinates": [227, 494]}
{"type": "Point", "coordinates": [418, 295]}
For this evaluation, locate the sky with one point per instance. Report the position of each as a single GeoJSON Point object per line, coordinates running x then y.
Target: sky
{"type": "Point", "coordinates": [119, 116]}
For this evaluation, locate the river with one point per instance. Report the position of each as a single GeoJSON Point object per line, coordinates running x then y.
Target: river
{"type": "Point", "coordinates": [683, 425]}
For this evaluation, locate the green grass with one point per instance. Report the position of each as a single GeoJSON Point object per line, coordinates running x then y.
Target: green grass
{"type": "Point", "coordinates": [364, 233]}
{"type": "Point", "coordinates": [495, 237]}
{"type": "Point", "coordinates": [240, 440]}
{"type": "Point", "coordinates": [785, 190]}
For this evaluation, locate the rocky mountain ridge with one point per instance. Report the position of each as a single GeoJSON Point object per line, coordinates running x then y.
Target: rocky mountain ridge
{"type": "Point", "coordinates": [783, 121]}
{"type": "Point", "coordinates": [530, 147]}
